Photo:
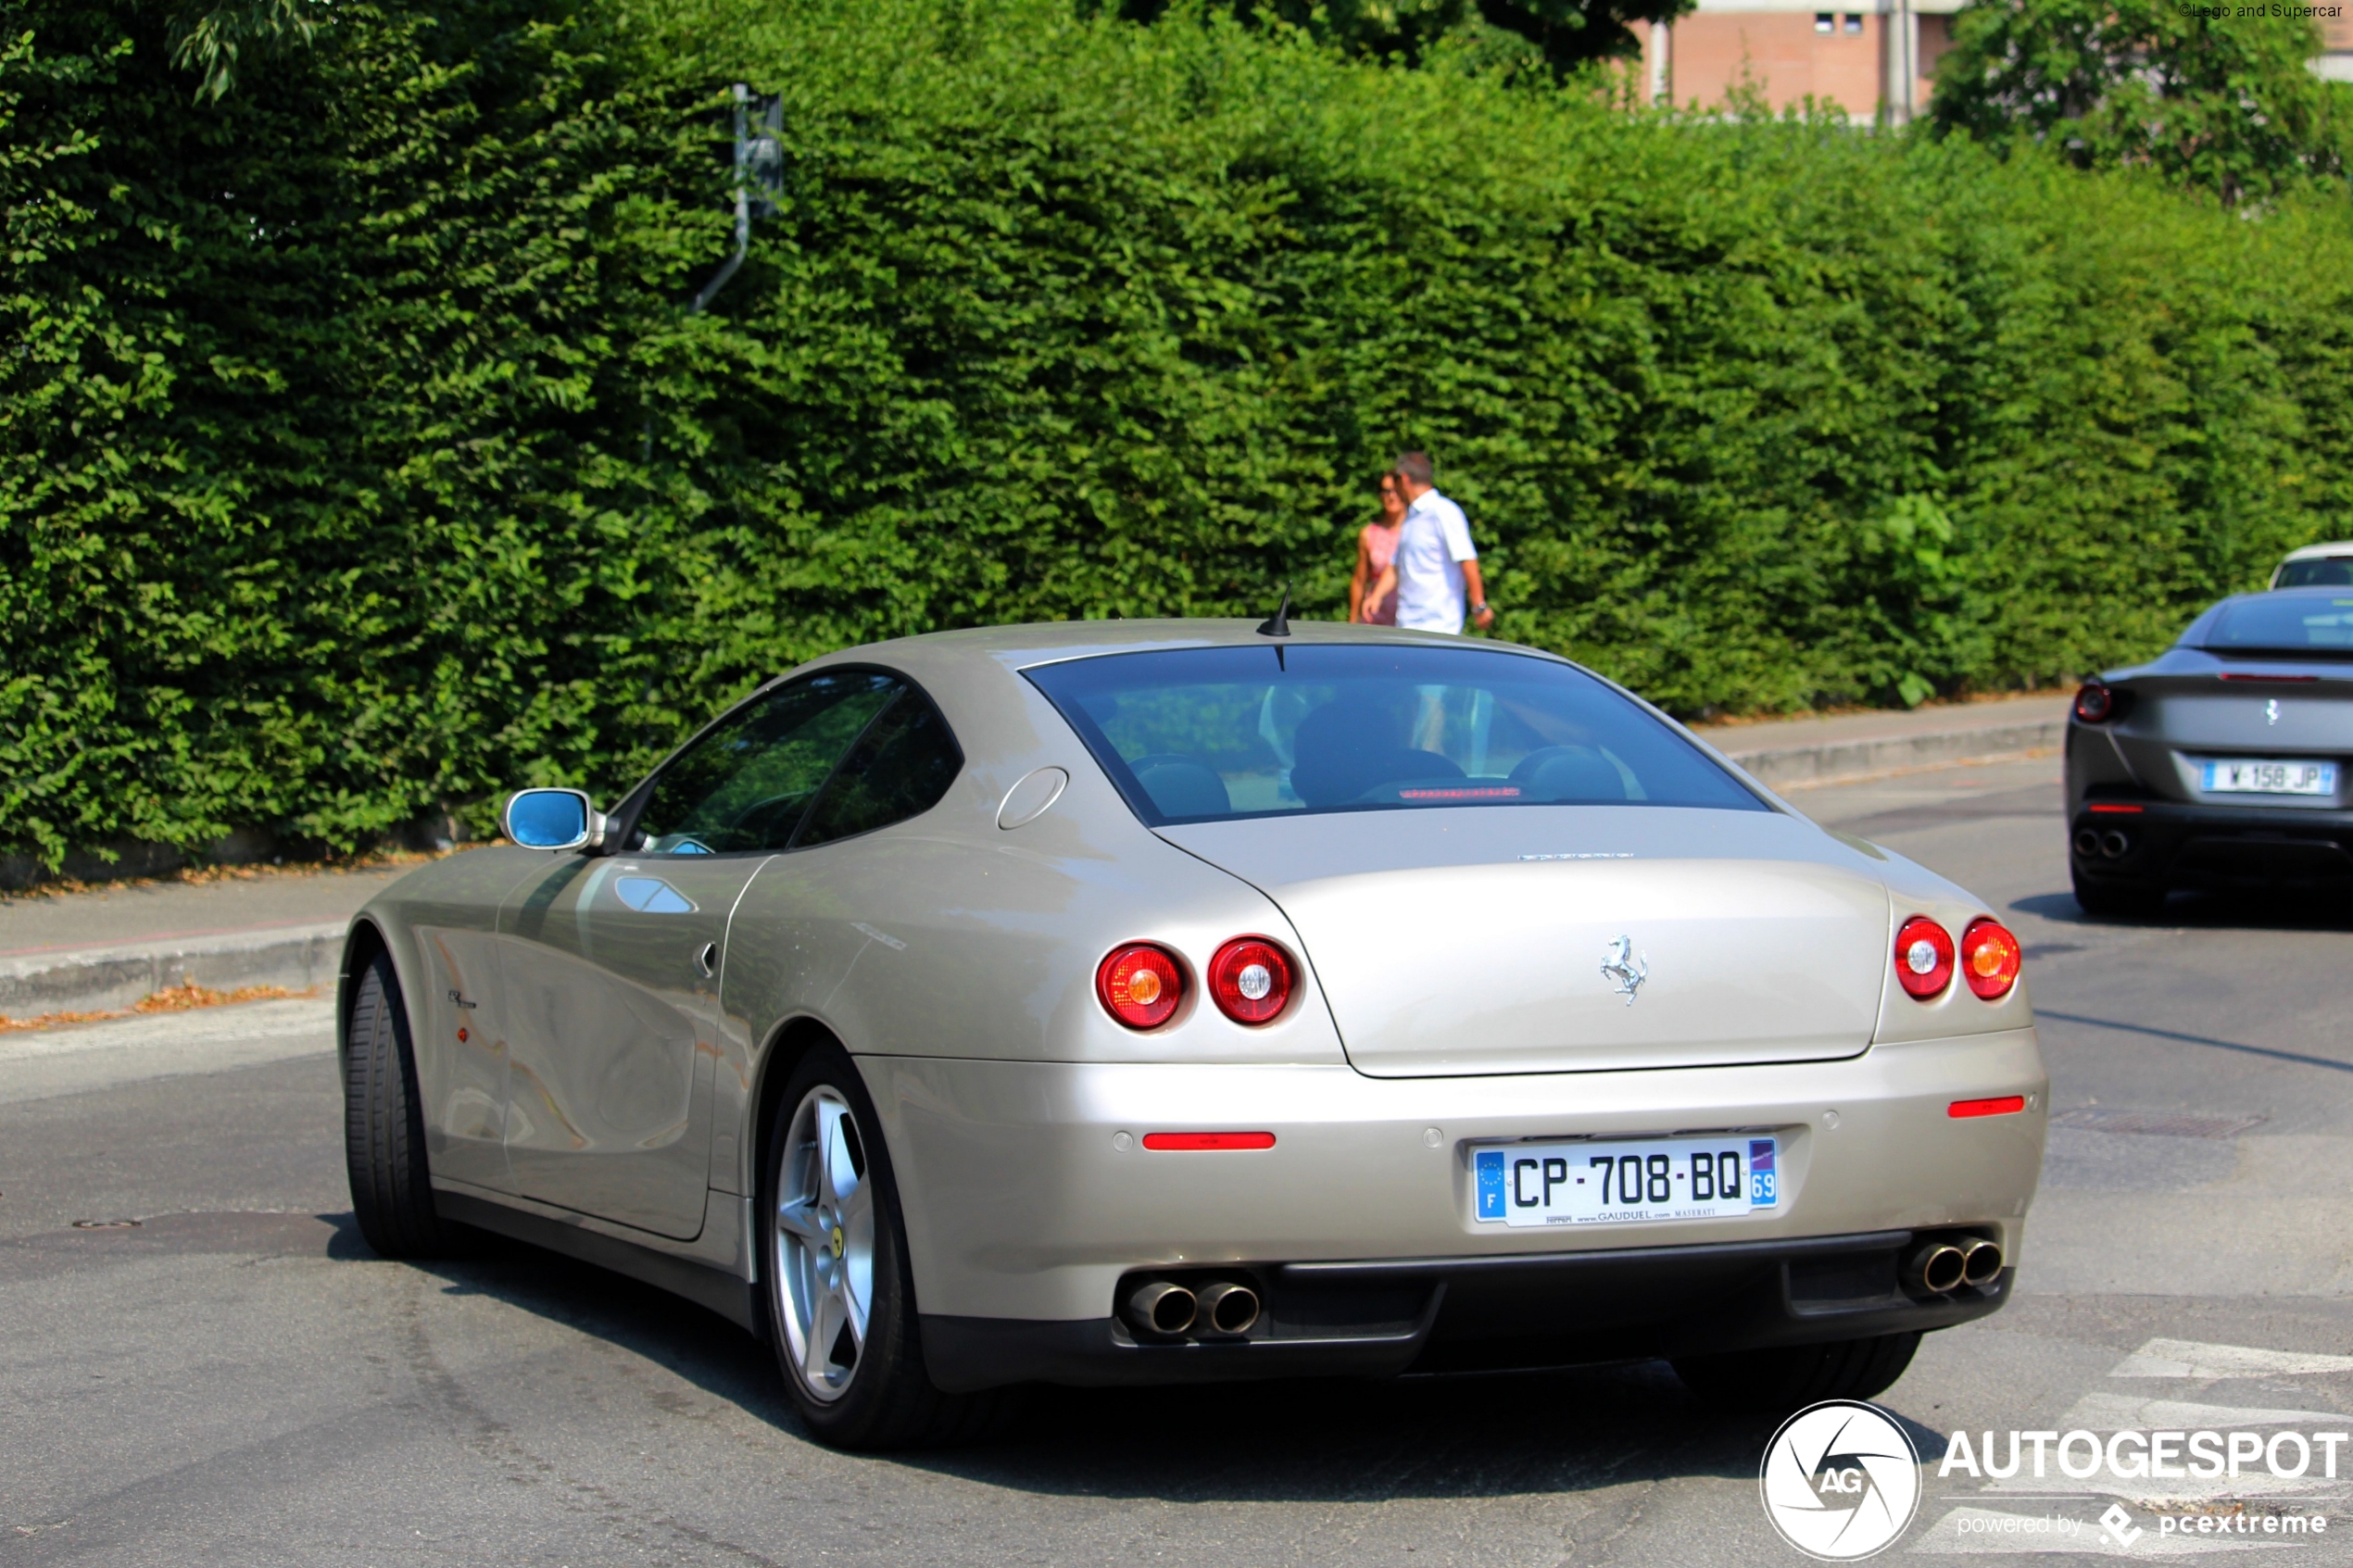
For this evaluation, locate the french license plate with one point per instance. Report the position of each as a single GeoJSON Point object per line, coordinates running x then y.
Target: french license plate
{"type": "Point", "coordinates": [1606, 1183]}
{"type": "Point", "coordinates": [2237, 777]}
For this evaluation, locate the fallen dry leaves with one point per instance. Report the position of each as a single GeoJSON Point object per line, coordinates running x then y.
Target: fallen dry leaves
{"type": "Point", "coordinates": [171, 999]}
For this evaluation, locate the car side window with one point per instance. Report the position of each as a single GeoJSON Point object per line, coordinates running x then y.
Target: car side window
{"type": "Point", "coordinates": [900, 768]}
{"type": "Point", "coordinates": [746, 785]}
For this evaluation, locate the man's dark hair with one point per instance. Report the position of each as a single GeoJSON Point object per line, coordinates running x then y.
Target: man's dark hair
{"type": "Point", "coordinates": [1414, 466]}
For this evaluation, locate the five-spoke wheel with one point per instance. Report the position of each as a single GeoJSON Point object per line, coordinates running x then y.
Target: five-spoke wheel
{"type": "Point", "coordinates": [839, 1288]}
{"type": "Point", "coordinates": [824, 1243]}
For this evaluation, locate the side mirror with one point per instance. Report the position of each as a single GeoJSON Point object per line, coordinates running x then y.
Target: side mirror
{"type": "Point", "coordinates": [552, 819]}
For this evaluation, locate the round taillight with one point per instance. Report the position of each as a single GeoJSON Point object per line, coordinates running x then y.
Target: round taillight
{"type": "Point", "coordinates": [1923, 958]}
{"type": "Point", "coordinates": [1140, 985]}
{"type": "Point", "coordinates": [1990, 959]}
{"type": "Point", "coordinates": [1250, 979]}
{"type": "Point", "coordinates": [2095, 703]}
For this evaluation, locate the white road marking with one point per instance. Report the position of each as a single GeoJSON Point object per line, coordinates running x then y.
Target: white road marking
{"type": "Point", "coordinates": [1971, 1531]}
{"type": "Point", "coordinates": [40, 1064]}
{"type": "Point", "coordinates": [2187, 1357]}
{"type": "Point", "coordinates": [2118, 1413]}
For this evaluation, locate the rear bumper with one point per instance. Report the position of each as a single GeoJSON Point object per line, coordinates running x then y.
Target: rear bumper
{"type": "Point", "coordinates": [2174, 844]}
{"type": "Point", "coordinates": [1451, 1315]}
{"type": "Point", "coordinates": [1030, 1198]}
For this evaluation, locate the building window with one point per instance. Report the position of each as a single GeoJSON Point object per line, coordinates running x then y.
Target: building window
{"type": "Point", "coordinates": [1825, 21]}
{"type": "Point", "coordinates": [1853, 22]}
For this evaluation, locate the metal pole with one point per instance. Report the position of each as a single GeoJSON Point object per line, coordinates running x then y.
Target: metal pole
{"type": "Point", "coordinates": [743, 202]}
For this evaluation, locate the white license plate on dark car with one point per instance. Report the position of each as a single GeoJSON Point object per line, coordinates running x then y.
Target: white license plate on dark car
{"type": "Point", "coordinates": [1604, 1183]}
{"type": "Point", "coordinates": [2233, 776]}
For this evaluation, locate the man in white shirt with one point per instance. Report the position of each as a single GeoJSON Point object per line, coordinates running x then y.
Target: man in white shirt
{"type": "Point", "coordinates": [1436, 566]}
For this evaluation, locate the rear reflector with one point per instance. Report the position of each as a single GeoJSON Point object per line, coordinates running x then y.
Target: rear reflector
{"type": "Point", "coordinates": [2111, 809]}
{"type": "Point", "coordinates": [1215, 1140]}
{"type": "Point", "coordinates": [2008, 1104]}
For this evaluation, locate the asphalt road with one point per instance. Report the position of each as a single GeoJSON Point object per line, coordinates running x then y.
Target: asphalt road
{"type": "Point", "coordinates": [238, 1380]}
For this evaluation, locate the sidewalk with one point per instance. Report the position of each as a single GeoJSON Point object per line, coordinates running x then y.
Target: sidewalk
{"type": "Point", "coordinates": [1795, 752]}
{"type": "Point", "coordinates": [107, 949]}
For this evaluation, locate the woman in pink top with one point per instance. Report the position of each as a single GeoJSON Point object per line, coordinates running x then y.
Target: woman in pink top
{"type": "Point", "coordinates": [1376, 545]}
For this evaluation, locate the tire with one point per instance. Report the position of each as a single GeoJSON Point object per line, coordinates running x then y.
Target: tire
{"type": "Point", "coordinates": [1778, 1382]}
{"type": "Point", "coordinates": [837, 1285]}
{"type": "Point", "coordinates": [383, 1125]}
{"type": "Point", "coordinates": [2118, 900]}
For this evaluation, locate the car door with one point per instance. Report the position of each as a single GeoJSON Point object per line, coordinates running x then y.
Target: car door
{"type": "Point", "coordinates": [613, 965]}
{"type": "Point", "coordinates": [456, 1016]}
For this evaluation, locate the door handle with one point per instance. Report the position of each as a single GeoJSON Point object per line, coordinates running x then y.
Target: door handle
{"type": "Point", "coordinates": [707, 960]}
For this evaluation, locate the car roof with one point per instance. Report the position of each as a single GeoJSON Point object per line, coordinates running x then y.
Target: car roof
{"type": "Point", "coordinates": [2319, 552]}
{"type": "Point", "coordinates": [1019, 648]}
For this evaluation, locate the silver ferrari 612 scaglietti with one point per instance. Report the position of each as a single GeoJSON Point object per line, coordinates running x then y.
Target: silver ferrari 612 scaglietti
{"type": "Point", "coordinates": [1138, 1002]}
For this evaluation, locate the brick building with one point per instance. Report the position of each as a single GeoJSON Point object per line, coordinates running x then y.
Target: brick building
{"type": "Point", "coordinates": [1857, 57]}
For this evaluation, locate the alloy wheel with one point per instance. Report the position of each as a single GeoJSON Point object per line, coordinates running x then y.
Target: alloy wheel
{"type": "Point", "coordinates": [824, 1250]}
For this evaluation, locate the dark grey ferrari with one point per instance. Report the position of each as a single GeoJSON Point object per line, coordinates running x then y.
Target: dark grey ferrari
{"type": "Point", "coordinates": [2220, 763]}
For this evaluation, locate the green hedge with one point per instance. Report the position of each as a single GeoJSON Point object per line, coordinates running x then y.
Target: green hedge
{"type": "Point", "coordinates": [357, 461]}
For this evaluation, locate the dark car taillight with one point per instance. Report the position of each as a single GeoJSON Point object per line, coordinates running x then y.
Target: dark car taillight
{"type": "Point", "coordinates": [2095, 703]}
{"type": "Point", "coordinates": [1923, 958]}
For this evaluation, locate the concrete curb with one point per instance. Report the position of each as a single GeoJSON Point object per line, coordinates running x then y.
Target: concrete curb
{"type": "Point", "coordinates": [100, 979]}
{"type": "Point", "coordinates": [1787, 766]}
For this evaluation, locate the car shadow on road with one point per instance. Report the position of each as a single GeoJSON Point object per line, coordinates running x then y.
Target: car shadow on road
{"type": "Point", "coordinates": [1487, 1435]}
{"type": "Point", "coordinates": [2287, 910]}
{"type": "Point", "coordinates": [1491, 1435]}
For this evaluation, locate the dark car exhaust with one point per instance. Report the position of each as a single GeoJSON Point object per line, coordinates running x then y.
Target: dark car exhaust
{"type": "Point", "coordinates": [2091, 844]}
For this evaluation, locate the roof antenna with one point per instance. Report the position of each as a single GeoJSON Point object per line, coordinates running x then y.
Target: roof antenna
{"type": "Point", "coordinates": [1279, 623]}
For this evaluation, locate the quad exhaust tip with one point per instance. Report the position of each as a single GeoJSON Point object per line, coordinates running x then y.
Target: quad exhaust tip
{"type": "Point", "coordinates": [1227, 1308]}
{"type": "Point", "coordinates": [1224, 1307]}
{"type": "Point", "coordinates": [1940, 1265]}
{"type": "Point", "coordinates": [1980, 1264]}
{"type": "Point", "coordinates": [1935, 1268]}
{"type": "Point", "coordinates": [1167, 1309]}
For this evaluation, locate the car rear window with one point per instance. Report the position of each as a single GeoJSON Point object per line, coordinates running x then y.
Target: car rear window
{"type": "Point", "coordinates": [1200, 735]}
{"type": "Point", "coordinates": [2329, 571]}
{"type": "Point", "coordinates": [2307, 623]}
